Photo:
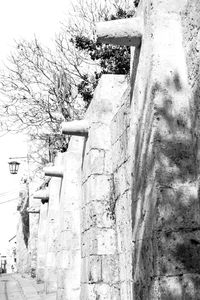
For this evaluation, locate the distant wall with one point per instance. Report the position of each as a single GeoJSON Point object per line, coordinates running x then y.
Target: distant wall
{"type": "Point", "coordinates": [41, 243]}
{"type": "Point", "coordinates": [68, 255]}
{"type": "Point", "coordinates": [83, 224]}
{"type": "Point", "coordinates": [33, 235]}
{"type": "Point", "coordinates": [55, 186]}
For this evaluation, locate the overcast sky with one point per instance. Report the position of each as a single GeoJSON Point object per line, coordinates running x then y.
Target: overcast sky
{"type": "Point", "coordinates": [21, 19]}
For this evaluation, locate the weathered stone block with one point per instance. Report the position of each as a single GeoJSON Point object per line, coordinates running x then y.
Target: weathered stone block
{"type": "Point", "coordinates": [61, 274]}
{"type": "Point", "coordinates": [91, 269]}
{"type": "Point", "coordinates": [106, 292]}
{"type": "Point", "coordinates": [94, 163]}
{"type": "Point", "coordinates": [96, 213]}
{"type": "Point", "coordinates": [126, 266]}
{"type": "Point", "coordinates": [121, 180]}
{"type": "Point", "coordinates": [40, 274]}
{"type": "Point", "coordinates": [177, 252]}
{"type": "Point", "coordinates": [65, 239]}
{"type": "Point", "coordinates": [87, 292]}
{"type": "Point", "coordinates": [88, 243]}
{"type": "Point", "coordinates": [67, 221]}
{"type": "Point", "coordinates": [110, 269]}
{"type": "Point", "coordinates": [93, 190]}
{"type": "Point", "coordinates": [107, 98]}
{"type": "Point", "coordinates": [191, 286]}
{"type": "Point", "coordinates": [178, 207]}
{"type": "Point", "coordinates": [66, 259]}
{"type": "Point", "coordinates": [121, 120]}
{"type": "Point", "coordinates": [60, 294]}
{"type": "Point", "coordinates": [84, 270]}
{"type": "Point", "coordinates": [100, 291]}
{"type": "Point", "coordinates": [50, 282]}
{"type": "Point", "coordinates": [50, 259]}
{"type": "Point", "coordinates": [98, 242]}
{"type": "Point", "coordinates": [126, 290]}
{"type": "Point", "coordinates": [123, 267]}
{"type": "Point", "coordinates": [176, 287]}
{"type": "Point", "coordinates": [99, 137]}
{"type": "Point", "coordinates": [123, 222]}
{"type": "Point", "coordinates": [120, 150]}
{"type": "Point", "coordinates": [141, 290]}
{"type": "Point", "coordinates": [73, 276]}
{"type": "Point", "coordinates": [106, 242]}
{"type": "Point", "coordinates": [170, 288]}
{"type": "Point", "coordinates": [108, 166]}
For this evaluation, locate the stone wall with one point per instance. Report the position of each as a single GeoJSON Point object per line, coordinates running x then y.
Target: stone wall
{"type": "Point", "coordinates": [165, 200]}
{"type": "Point", "coordinates": [100, 259]}
{"type": "Point", "coordinates": [33, 234]}
{"type": "Point", "coordinates": [41, 245]}
{"type": "Point", "coordinates": [68, 258]}
{"type": "Point", "coordinates": [81, 226]}
{"type": "Point", "coordinates": [120, 130]}
{"type": "Point", "coordinates": [123, 222]}
{"type": "Point", "coordinates": [55, 186]}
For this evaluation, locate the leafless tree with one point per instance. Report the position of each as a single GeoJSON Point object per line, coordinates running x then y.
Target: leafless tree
{"type": "Point", "coordinates": [39, 85]}
{"type": "Point", "coordinates": [39, 89]}
{"type": "Point", "coordinates": [38, 92]}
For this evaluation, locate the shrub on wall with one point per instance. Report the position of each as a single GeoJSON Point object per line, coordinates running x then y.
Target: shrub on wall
{"type": "Point", "coordinates": [22, 208]}
{"type": "Point", "coordinates": [111, 58]}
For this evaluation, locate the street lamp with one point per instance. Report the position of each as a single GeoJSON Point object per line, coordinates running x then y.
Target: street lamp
{"type": "Point", "coordinates": [13, 167]}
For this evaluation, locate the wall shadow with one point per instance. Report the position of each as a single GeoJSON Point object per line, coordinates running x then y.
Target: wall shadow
{"type": "Point", "coordinates": [165, 196]}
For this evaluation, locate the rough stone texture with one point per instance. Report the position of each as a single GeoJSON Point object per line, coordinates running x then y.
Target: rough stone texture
{"type": "Point", "coordinates": [139, 218]}
{"type": "Point", "coordinates": [163, 147]}
{"type": "Point", "coordinates": [120, 126]}
{"type": "Point", "coordinates": [68, 258]}
{"type": "Point", "coordinates": [33, 235]}
{"type": "Point", "coordinates": [100, 260]}
{"type": "Point", "coordinates": [41, 245]}
{"type": "Point", "coordinates": [55, 185]}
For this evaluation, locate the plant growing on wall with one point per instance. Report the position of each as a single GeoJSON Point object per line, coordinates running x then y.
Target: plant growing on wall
{"type": "Point", "coordinates": [25, 224]}
{"type": "Point", "coordinates": [111, 59]}
{"type": "Point", "coordinates": [22, 208]}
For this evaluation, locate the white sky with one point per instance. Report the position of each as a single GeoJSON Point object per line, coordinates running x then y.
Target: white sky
{"type": "Point", "coordinates": [21, 19]}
